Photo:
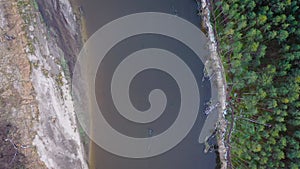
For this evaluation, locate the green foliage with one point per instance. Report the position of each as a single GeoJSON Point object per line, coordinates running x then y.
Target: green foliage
{"type": "Point", "coordinates": [65, 67]}
{"type": "Point", "coordinates": [35, 4]}
{"type": "Point", "coordinates": [260, 47]}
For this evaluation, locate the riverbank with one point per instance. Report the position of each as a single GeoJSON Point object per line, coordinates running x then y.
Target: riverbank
{"type": "Point", "coordinates": [216, 67]}
{"type": "Point", "coordinates": [38, 119]}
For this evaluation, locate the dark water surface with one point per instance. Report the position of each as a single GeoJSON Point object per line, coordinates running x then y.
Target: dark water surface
{"type": "Point", "coordinates": [189, 153]}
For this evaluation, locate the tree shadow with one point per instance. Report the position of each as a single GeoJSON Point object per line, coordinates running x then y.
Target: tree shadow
{"type": "Point", "coordinates": [10, 156]}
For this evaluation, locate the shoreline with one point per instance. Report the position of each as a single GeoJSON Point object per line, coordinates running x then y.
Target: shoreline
{"type": "Point", "coordinates": [217, 67]}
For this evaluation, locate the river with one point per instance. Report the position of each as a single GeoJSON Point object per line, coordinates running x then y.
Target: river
{"type": "Point", "coordinates": [189, 153]}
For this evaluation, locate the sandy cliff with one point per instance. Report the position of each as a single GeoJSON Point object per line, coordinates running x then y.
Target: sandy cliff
{"type": "Point", "coordinates": [37, 120]}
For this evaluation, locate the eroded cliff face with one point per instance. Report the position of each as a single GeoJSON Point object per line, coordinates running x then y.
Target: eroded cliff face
{"type": "Point", "coordinates": [18, 106]}
{"type": "Point", "coordinates": [59, 17]}
{"type": "Point", "coordinates": [37, 121]}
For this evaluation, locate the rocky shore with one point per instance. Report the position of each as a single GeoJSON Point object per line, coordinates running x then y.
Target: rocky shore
{"type": "Point", "coordinates": [215, 66]}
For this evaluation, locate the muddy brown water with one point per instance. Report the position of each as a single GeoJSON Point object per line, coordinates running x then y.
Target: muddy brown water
{"type": "Point", "coordinates": [189, 153]}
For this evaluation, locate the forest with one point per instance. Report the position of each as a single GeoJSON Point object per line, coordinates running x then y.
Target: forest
{"type": "Point", "coordinates": [259, 43]}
